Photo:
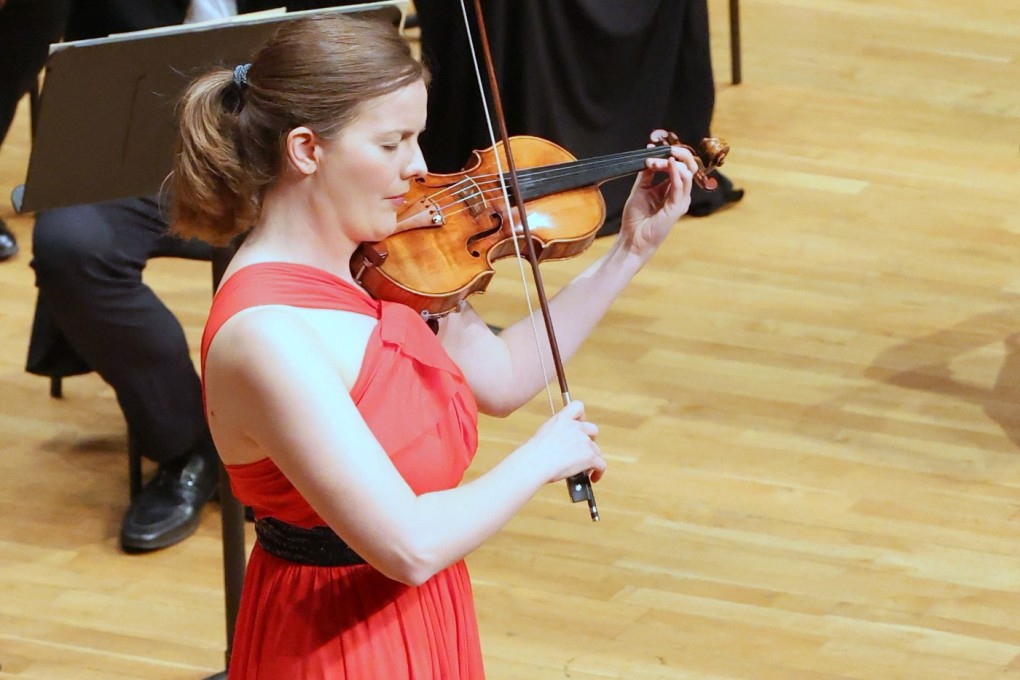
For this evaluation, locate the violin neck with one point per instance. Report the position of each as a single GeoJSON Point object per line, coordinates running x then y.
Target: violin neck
{"type": "Point", "coordinates": [552, 179]}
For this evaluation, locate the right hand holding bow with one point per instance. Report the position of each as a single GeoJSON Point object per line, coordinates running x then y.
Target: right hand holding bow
{"type": "Point", "coordinates": [565, 445]}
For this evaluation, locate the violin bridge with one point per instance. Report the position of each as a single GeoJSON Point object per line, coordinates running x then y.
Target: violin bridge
{"type": "Point", "coordinates": [473, 197]}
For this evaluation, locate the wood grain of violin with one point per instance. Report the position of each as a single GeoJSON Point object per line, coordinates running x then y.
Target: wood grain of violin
{"type": "Point", "coordinates": [454, 226]}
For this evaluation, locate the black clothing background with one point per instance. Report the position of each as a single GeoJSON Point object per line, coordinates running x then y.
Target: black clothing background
{"type": "Point", "coordinates": [100, 18]}
{"type": "Point", "coordinates": [595, 76]}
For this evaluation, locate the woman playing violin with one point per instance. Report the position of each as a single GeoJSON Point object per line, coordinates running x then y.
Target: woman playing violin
{"type": "Point", "coordinates": [344, 422]}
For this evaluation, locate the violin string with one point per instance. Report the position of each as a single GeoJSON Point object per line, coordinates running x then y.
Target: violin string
{"type": "Point", "coordinates": [565, 170]}
{"type": "Point", "coordinates": [562, 169]}
{"type": "Point", "coordinates": [490, 189]}
{"type": "Point", "coordinates": [491, 184]}
{"type": "Point", "coordinates": [506, 204]}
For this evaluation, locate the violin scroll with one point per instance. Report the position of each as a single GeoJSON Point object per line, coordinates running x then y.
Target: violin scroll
{"type": "Point", "coordinates": [711, 153]}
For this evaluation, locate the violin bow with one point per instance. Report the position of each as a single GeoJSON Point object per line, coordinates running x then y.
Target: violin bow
{"type": "Point", "coordinates": [579, 486]}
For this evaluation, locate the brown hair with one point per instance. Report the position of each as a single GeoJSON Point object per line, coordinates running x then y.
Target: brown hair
{"type": "Point", "coordinates": [313, 72]}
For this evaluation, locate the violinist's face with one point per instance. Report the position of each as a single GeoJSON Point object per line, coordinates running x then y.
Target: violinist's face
{"type": "Point", "coordinates": [369, 166]}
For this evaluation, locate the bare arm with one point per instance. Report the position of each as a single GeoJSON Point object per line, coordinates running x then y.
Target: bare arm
{"type": "Point", "coordinates": [295, 409]}
{"type": "Point", "coordinates": [505, 371]}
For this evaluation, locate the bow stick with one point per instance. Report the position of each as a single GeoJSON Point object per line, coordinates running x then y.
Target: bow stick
{"type": "Point", "coordinates": [579, 486]}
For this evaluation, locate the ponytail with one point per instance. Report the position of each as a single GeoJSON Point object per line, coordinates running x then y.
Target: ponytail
{"type": "Point", "coordinates": [214, 194]}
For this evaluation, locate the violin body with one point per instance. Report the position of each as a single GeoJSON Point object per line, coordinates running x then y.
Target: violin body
{"type": "Point", "coordinates": [433, 268]}
{"type": "Point", "coordinates": [455, 226]}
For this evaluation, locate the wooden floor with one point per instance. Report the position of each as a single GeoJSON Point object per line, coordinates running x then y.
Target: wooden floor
{"type": "Point", "coordinates": [811, 403]}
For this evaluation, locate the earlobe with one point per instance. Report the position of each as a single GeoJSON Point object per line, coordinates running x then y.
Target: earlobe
{"type": "Point", "coordinates": [303, 150]}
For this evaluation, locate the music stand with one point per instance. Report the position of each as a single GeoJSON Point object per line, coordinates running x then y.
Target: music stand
{"type": "Point", "coordinates": [105, 130]}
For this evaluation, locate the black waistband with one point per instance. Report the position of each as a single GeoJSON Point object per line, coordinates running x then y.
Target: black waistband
{"type": "Point", "coordinates": [318, 546]}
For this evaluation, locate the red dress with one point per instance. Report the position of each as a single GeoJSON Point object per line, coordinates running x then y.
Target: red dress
{"type": "Point", "coordinates": [301, 622]}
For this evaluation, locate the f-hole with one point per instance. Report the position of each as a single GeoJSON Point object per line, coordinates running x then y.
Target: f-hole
{"type": "Point", "coordinates": [498, 221]}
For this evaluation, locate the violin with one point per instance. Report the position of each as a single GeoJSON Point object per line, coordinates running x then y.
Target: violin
{"type": "Point", "coordinates": [454, 226]}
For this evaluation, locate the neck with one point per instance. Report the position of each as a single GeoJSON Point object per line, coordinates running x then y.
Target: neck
{"type": "Point", "coordinates": [296, 228]}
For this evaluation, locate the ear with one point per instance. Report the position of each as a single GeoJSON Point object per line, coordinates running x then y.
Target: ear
{"type": "Point", "coordinates": [303, 148]}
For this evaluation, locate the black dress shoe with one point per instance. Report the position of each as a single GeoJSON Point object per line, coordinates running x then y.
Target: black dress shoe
{"type": "Point", "coordinates": [8, 244]}
{"type": "Point", "coordinates": [169, 507]}
{"type": "Point", "coordinates": [704, 202]}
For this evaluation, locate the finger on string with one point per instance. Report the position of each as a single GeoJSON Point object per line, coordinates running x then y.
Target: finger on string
{"type": "Point", "coordinates": [664, 165]}
{"type": "Point", "coordinates": [685, 156]}
{"type": "Point", "coordinates": [686, 176]}
{"type": "Point", "coordinates": [681, 181]}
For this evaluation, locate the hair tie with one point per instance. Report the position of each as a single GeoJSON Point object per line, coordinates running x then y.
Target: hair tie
{"type": "Point", "coordinates": [241, 75]}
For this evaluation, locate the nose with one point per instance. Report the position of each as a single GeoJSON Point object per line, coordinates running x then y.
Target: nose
{"type": "Point", "coordinates": [416, 167]}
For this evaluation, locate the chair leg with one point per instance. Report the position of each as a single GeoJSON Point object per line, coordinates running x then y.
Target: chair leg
{"type": "Point", "coordinates": [234, 555]}
{"type": "Point", "coordinates": [56, 387]}
{"type": "Point", "coordinates": [33, 108]}
{"type": "Point", "coordinates": [735, 41]}
{"type": "Point", "coordinates": [232, 512]}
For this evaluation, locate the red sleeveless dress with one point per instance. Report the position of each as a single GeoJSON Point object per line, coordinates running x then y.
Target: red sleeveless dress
{"type": "Point", "coordinates": [301, 622]}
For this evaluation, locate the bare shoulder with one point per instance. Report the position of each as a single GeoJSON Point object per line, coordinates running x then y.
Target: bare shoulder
{"type": "Point", "coordinates": [257, 328]}
{"type": "Point", "coordinates": [265, 342]}
{"type": "Point", "coordinates": [255, 353]}
{"type": "Point", "coordinates": [274, 324]}
{"type": "Point", "coordinates": [276, 364]}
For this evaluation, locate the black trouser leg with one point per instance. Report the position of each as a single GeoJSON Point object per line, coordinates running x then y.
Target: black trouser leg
{"type": "Point", "coordinates": [27, 27]}
{"type": "Point", "coordinates": [88, 261]}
